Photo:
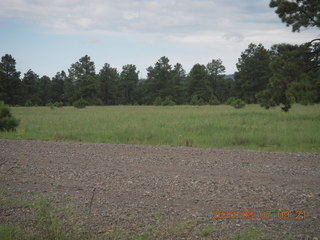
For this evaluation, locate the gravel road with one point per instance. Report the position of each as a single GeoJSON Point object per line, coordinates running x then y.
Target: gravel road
{"type": "Point", "coordinates": [128, 184]}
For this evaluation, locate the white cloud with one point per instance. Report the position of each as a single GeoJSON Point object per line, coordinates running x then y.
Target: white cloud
{"type": "Point", "coordinates": [214, 27]}
{"type": "Point", "coordinates": [187, 21]}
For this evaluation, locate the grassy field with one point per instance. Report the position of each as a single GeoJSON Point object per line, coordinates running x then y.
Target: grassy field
{"type": "Point", "coordinates": [198, 126]}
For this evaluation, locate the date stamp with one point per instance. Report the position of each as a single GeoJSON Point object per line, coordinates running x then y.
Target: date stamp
{"type": "Point", "coordinates": [250, 214]}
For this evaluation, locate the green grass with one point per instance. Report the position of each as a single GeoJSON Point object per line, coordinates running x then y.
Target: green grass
{"type": "Point", "coordinates": [47, 221]}
{"type": "Point", "coordinates": [198, 126]}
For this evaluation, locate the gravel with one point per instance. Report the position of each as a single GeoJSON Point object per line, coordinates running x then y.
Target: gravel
{"type": "Point", "coordinates": [125, 185]}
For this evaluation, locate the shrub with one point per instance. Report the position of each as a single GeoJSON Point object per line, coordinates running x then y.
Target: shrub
{"type": "Point", "coordinates": [214, 100]}
{"type": "Point", "coordinates": [157, 101]}
{"type": "Point", "coordinates": [195, 100]}
{"type": "Point", "coordinates": [51, 105]}
{"type": "Point", "coordinates": [238, 103]}
{"type": "Point", "coordinates": [168, 102]}
{"type": "Point", "coordinates": [28, 103]}
{"type": "Point", "coordinates": [230, 100]}
{"type": "Point", "coordinates": [58, 104]}
{"type": "Point", "coordinates": [81, 103]}
{"type": "Point", "coordinates": [7, 121]}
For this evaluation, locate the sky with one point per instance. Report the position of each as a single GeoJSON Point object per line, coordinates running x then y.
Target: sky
{"type": "Point", "coordinates": [48, 36]}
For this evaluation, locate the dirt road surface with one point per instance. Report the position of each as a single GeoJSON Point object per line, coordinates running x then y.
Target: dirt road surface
{"type": "Point", "coordinates": [128, 184]}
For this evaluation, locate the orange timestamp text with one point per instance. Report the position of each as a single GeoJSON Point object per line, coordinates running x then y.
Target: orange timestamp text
{"type": "Point", "coordinates": [250, 214]}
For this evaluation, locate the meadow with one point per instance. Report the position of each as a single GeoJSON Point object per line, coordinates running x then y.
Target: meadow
{"type": "Point", "coordinates": [195, 126]}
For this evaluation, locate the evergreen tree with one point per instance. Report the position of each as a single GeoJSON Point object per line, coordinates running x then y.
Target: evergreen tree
{"type": "Point", "coordinates": [160, 81]}
{"type": "Point", "coordinates": [68, 96]}
{"type": "Point", "coordinates": [82, 74]}
{"type": "Point", "coordinates": [224, 89]}
{"type": "Point", "coordinates": [295, 69]}
{"type": "Point", "coordinates": [199, 84]}
{"type": "Point", "coordinates": [289, 82]}
{"type": "Point", "coordinates": [30, 88]}
{"type": "Point", "coordinates": [58, 86]}
{"type": "Point", "coordinates": [215, 70]}
{"type": "Point", "coordinates": [253, 72]}
{"type": "Point", "coordinates": [44, 88]}
{"type": "Point", "coordinates": [129, 78]}
{"type": "Point", "coordinates": [10, 84]}
{"type": "Point", "coordinates": [179, 84]}
{"type": "Point", "coordinates": [108, 85]}
{"type": "Point", "coordinates": [298, 13]}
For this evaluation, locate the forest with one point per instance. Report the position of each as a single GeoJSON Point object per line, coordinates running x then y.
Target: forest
{"type": "Point", "coordinates": [282, 75]}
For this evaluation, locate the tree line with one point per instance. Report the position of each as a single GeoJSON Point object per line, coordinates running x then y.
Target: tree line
{"type": "Point", "coordinates": [281, 75]}
{"type": "Point", "coordinates": [111, 87]}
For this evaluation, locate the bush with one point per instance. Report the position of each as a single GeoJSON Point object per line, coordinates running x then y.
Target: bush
{"type": "Point", "coordinates": [7, 121]}
{"type": "Point", "coordinates": [81, 103]}
{"type": "Point", "coordinates": [58, 104]}
{"type": "Point", "coordinates": [214, 100]}
{"type": "Point", "coordinates": [230, 100]}
{"type": "Point", "coordinates": [196, 101]}
{"type": "Point", "coordinates": [238, 103]}
{"type": "Point", "coordinates": [28, 103]}
{"type": "Point", "coordinates": [168, 102]}
{"type": "Point", "coordinates": [51, 105]}
{"type": "Point", "coordinates": [157, 101]}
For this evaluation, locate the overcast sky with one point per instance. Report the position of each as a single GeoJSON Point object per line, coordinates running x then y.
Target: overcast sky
{"type": "Point", "coordinates": [48, 36]}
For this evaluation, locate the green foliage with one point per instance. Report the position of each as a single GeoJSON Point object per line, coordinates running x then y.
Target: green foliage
{"type": "Point", "coordinates": [7, 121]}
{"type": "Point", "coordinates": [108, 79]}
{"type": "Point", "coordinates": [30, 88]}
{"type": "Point", "coordinates": [163, 81]}
{"type": "Point", "coordinates": [81, 103]}
{"type": "Point", "coordinates": [51, 105]}
{"type": "Point", "coordinates": [57, 87]}
{"type": "Point", "coordinates": [214, 100]}
{"type": "Point", "coordinates": [157, 101]}
{"type": "Point", "coordinates": [28, 103]}
{"type": "Point", "coordinates": [281, 76]}
{"type": "Point", "coordinates": [195, 100]}
{"type": "Point", "coordinates": [168, 102]}
{"type": "Point", "coordinates": [215, 70]}
{"type": "Point", "coordinates": [224, 89]}
{"type": "Point", "coordinates": [295, 69]}
{"type": "Point", "coordinates": [238, 103]}
{"type": "Point", "coordinates": [289, 81]}
{"type": "Point", "coordinates": [128, 84]}
{"type": "Point", "coordinates": [44, 90]}
{"type": "Point", "coordinates": [298, 13]}
{"type": "Point", "coordinates": [10, 84]}
{"type": "Point", "coordinates": [58, 104]}
{"type": "Point", "coordinates": [253, 72]}
{"type": "Point", "coordinates": [199, 84]}
{"type": "Point", "coordinates": [230, 100]}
